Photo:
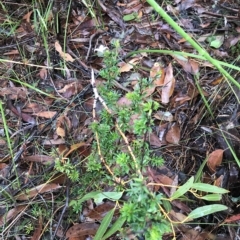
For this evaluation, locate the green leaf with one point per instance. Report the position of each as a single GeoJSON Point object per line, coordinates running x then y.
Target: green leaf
{"type": "Point", "coordinates": [115, 227]}
{"type": "Point", "coordinates": [129, 17]}
{"type": "Point", "coordinates": [212, 197]}
{"type": "Point", "coordinates": [113, 196]}
{"type": "Point", "coordinates": [200, 171]}
{"type": "Point", "coordinates": [206, 210]}
{"type": "Point", "coordinates": [167, 206]}
{"type": "Point", "coordinates": [104, 225]}
{"type": "Point", "coordinates": [208, 188]}
{"type": "Point", "coordinates": [183, 189]}
{"type": "Point", "coordinates": [216, 41]}
{"type": "Point", "coordinates": [85, 198]}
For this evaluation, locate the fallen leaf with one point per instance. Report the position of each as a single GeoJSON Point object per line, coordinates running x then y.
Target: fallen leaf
{"type": "Point", "coordinates": [45, 114]}
{"type": "Point", "coordinates": [154, 140]}
{"type": "Point", "coordinates": [126, 67]}
{"type": "Point", "coordinates": [101, 210]}
{"type": "Point", "coordinates": [53, 141]}
{"type": "Point", "coordinates": [44, 159]}
{"type": "Point", "coordinates": [33, 192]}
{"type": "Point", "coordinates": [124, 101]}
{"type": "Point", "coordinates": [38, 229]}
{"type": "Point", "coordinates": [43, 73]}
{"type": "Point", "coordinates": [11, 214]}
{"type": "Point", "coordinates": [164, 116]}
{"type": "Point", "coordinates": [67, 57]}
{"type": "Point", "coordinates": [71, 89]}
{"type": "Point", "coordinates": [232, 218]}
{"type": "Point", "coordinates": [214, 160]}
{"type": "Point", "coordinates": [14, 92]}
{"type": "Point", "coordinates": [173, 134]}
{"type": "Point", "coordinates": [82, 229]}
{"type": "Point", "coordinates": [157, 74]}
{"type": "Point", "coordinates": [169, 84]}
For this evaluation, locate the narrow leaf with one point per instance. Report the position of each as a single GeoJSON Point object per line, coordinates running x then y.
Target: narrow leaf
{"type": "Point", "coordinates": [208, 188]}
{"type": "Point", "coordinates": [206, 210]}
{"type": "Point", "coordinates": [115, 227]}
{"type": "Point", "coordinates": [183, 189]}
{"type": "Point", "coordinates": [104, 225]}
{"type": "Point", "coordinates": [212, 197]}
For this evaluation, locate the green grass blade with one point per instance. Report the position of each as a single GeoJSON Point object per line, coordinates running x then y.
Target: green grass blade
{"type": "Point", "coordinates": [104, 225]}
{"type": "Point", "coordinates": [115, 227]}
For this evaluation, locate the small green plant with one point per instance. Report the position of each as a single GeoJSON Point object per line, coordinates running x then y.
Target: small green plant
{"type": "Point", "coordinates": [67, 168]}
{"type": "Point", "coordinates": [121, 151]}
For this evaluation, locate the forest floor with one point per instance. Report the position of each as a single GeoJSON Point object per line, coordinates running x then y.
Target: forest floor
{"type": "Point", "coordinates": [96, 136]}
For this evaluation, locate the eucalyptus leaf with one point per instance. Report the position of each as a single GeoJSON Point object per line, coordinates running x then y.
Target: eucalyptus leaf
{"type": "Point", "coordinates": [206, 210]}
{"type": "Point", "coordinates": [183, 189]}
{"type": "Point", "coordinates": [209, 188]}
{"type": "Point", "coordinates": [104, 225]}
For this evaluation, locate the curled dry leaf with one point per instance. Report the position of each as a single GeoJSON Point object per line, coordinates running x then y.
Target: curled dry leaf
{"type": "Point", "coordinates": [173, 134]}
{"type": "Point", "coordinates": [169, 84]}
{"type": "Point", "coordinates": [62, 123]}
{"type": "Point", "coordinates": [157, 74]}
{"type": "Point", "coordinates": [67, 57]}
{"type": "Point", "coordinates": [126, 67]}
{"type": "Point", "coordinates": [214, 160]}
{"type": "Point", "coordinates": [71, 89]}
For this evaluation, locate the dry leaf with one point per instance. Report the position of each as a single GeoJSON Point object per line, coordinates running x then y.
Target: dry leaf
{"type": "Point", "coordinates": [169, 84]}
{"type": "Point", "coordinates": [173, 134]}
{"type": "Point", "coordinates": [82, 229]}
{"type": "Point", "coordinates": [11, 214]}
{"type": "Point", "coordinates": [53, 141]}
{"type": "Point", "coordinates": [67, 57]}
{"type": "Point", "coordinates": [214, 160]}
{"type": "Point", "coordinates": [14, 92]}
{"type": "Point", "coordinates": [36, 190]}
{"type": "Point", "coordinates": [154, 140]}
{"type": "Point", "coordinates": [101, 210]}
{"type": "Point", "coordinates": [44, 159]}
{"type": "Point", "coordinates": [157, 74]}
{"type": "Point", "coordinates": [74, 147]}
{"type": "Point", "coordinates": [43, 73]}
{"type": "Point", "coordinates": [60, 132]}
{"type": "Point", "coordinates": [71, 89]}
{"type": "Point", "coordinates": [164, 116]}
{"type": "Point", "coordinates": [126, 67]}
{"type": "Point", "coordinates": [45, 114]}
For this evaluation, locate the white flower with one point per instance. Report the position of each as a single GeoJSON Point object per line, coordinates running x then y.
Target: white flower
{"type": "Point", "coordinates": [101, 50]}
